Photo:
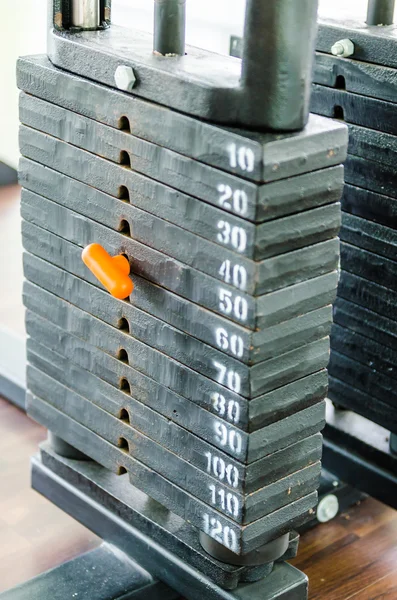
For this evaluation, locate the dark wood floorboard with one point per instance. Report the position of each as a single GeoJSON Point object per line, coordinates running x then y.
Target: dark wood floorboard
{"type": "Point", "coordinates": [353, 557]}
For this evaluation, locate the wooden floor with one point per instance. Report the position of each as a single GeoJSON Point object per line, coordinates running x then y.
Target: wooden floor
{"type": "Point", "coordinates": [353, 557]}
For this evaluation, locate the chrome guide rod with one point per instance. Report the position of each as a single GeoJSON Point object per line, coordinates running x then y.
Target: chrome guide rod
{"type": "Point", "coordinates": [169, 27]}
{"type": "Point", "coordinates": [86, 14]}
{"type": "Point", "coordinates": [380, 12]}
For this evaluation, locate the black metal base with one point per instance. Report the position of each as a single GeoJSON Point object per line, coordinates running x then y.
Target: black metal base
{"type": "Point", "coordinates": [121, 515]}
{"type": "Point", "coordinates": [104, 573]}
{"type": "Point", "coordinates": [358, 451]}
{"type": "Point", "coordinates": [8, 175]}
{"type": "Point", "coordinates": [12, 392]}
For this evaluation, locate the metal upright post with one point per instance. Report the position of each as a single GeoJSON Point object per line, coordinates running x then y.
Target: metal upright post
{"type": "Point", "coordinates": [86, 14]}
{"type": "Point", "coordinates": [278, 54]}
{"type": "Point", "coordinates": [169, 27]}
{"type": "Point", "coordinates": [380, 12]}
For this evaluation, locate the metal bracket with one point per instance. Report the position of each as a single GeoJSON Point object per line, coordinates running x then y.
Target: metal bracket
{"type": "Point", "coordinates": [269, 89]}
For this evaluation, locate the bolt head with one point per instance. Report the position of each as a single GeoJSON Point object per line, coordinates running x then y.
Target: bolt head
{"type": "Point", "coordinates": [328, 508]}
{"type": "Point", "coordinates": [343, 48]}
{"type": "Point", "coordinates": [124, 78]}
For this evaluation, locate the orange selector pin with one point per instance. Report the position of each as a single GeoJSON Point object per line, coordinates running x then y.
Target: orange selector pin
{"type": "Point", "coordinates": [112, 272]}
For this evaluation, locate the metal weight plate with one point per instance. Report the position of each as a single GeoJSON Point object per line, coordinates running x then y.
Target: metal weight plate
{"type": "Point", "coordinates": [365, 322]}
{"type": "Point", "coordinates": [121, 404]}
{"type": "Point", "coordinates": [371, 175]}
{"type": "Point", "coordinates": [361, 403]}
{"type": "Point", "coordinates": [364, 378]}
{"type": "Point", "coordinates": [158, 334]}
{"type": "Point", "coordinates": [368, 205]}
{"type": "Point", "coordinates": [368, 265]}
{"type": "Point", "coordinates": [245, 199]}
{"type": "Point", "coordinates": [282, 198]}
{"type": "Point", "coordinates": [284, 306]}
{"type": "Point", "coordinates": [262, 241]}
{"type": "Point", "coordinates": [356, 76]}
{"type": "Point", "coordinates": [276, 436]}
{"type": "Point", "coordinates": [369, 236]}
{"type": "Point", "coordinates": [364, 350]}
{"type": "Point", "coordinates": [268, 409]}
{"type": "Point", "coordinates": [373, 145]}
{"type": "Point", "coordinates": [370, 295]}
{"type": "Point", "coordinates": [372, 44]}
{"type": "Point", "coordinates": [172, 497]}
{"type": "Point", "coordinates": [241, 508]}
{"type": "Point", "coordinates": [353, 108]}
{"type": "Point", "coordinates": [188, 283]}
{"type": "Point", "coordinates": [254, 156]}
{"type": "Point", "coordinates": [277, 371]}
{"type": "Point", "coordinates": [251, 277]}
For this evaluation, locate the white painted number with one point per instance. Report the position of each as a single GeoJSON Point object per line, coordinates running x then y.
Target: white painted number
{"type": "Point", "coordinates": [223, 535]}
{"type": "Point", "coordinates": [236, 201]}
{"type": "Point", "coordinates": [231, 439]}
{"type": "Point", "coordinates": [217, 467]}
{"type": "Point", "coordinates": [241, 157]}
{"type": "Point", "coordinates": [230, 379]}
{"type": "Point", "coordinates": [237, 306]}
{"type": "Point", "coordinates": [235, 275]}
{"type": "Point", "coordinates": [226, 408]}
{"type": "Point", "coordinates": [227, 501]}
{"type": "Point", "coordinates": [233, 343]}
{"type": "Point", "coordinates": [233, 236]}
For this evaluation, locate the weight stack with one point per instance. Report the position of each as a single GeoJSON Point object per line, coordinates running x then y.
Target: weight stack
{"type": "Point", "coordinates": [205, 385]}
{"type": "Point", "coordinates": [361, 89]}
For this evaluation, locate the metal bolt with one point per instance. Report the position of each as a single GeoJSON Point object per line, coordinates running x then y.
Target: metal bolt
{"type": "Point", "coordinates": [125, 78]}
{"type": "Point", "coordinates": [343, 48]}
{"type": "Point", "coordinates": [328, 508]}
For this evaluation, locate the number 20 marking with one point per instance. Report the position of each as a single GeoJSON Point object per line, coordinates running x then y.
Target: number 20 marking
{"type": "Point", "coordinates": [236, 200]}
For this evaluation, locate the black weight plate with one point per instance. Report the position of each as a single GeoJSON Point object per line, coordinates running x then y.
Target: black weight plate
{"type": "Point", "coordinates": [368, 265]}
{"type": "Point", "coordinates": [283, 308]}
{"type": "Point", "coordinates": [254, 278]}
{"type": "Point", "coordinates": [159, 163]}
{"type": "Point", "coordinates": [371, 175]}
{"type": "Point", "coordinates": [368, 205]}
{"type": "Point", "coordinates": [364, 378]}
{"type": "Point", "coordinates": [172, 342]}
{"type": "Point", "coordinates": [121, 404]}
{"type": "Point", "coordinates": [363, 404]}
{"type": "Point", "coordinates": [365, 322]}
{"type": "Point", "coordinates": [370, 236]}
{"type": "Point", "coordinates": [372, 44]}
{"type": "Point", "coordinates": [272, 238]}
{"type": "Point", "coordinates": [174, 498]}
{"type": "Point", "coordinates": [370, 295]}
{"type": "Point", "coordinates": [282, 198]}
{"type": "Point", "coordinates": [255, 156]}
{"type": "Point", "coordinates": [354, 108]}
{"type": "Point", "coordinates": [356, 76]}
{"type": "Point", "coordinates": [373, 145]}
{"type": "Point", "coordinates": [243, 509]}
{"type": "Point", "coordinates": [278, 371]}
{"type": "Point", "coordinates": [203, 290]}
{"type": "Point", "coordinates": [253, 446]}
{"type": "Point", "coordinates": [268, 409]}
{"type": "Point", "coordinates": [364, 350]}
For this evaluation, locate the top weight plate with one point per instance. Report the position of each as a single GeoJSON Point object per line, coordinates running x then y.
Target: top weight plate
{"type": "Point", "coordinates": [259, 157]}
